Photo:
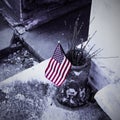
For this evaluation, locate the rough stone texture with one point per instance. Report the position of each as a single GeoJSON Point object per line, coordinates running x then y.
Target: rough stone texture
{"type": "Point", "coordinates": [109, 100]}
{"type": "Point", "coordinates": [31, 96]}
{"type": "Point", "coordinates": [44, 39]}
{"type": "Point", "coordinates": [5, 33]}
{"type": "Point", "coordinates": [105, 69]}
{"type": "Point", "coordinates": [15, 59]}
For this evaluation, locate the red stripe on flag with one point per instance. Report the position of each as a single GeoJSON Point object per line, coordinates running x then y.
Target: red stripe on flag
{"type": "Point", "coordinates": [56, 72]}
{"type": "Point", "coordinates": [52, 71]}
{"type": "Point", "coordinates": [50, 68]}
{"type": "Point", "coordinates": [64, 76]}
{"type": "Point", "coordinates": [60, 71]}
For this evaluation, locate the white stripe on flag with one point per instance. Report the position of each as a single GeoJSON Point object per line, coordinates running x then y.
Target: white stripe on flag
{"type": "Point", "coordinates": [59, 70]}
{"type": "Point", "coordinates": [63, 72]}
{"type": "Point", "coordinates": [58, 66]}
{"type": "Point", "coordinates": [50, 67]}
{"type": "Point", "coordinates": [55, 71]}
{"type": "Point", "coordinates": [66, 71]}
{"type": "Point", "coordinates": [52, 70]}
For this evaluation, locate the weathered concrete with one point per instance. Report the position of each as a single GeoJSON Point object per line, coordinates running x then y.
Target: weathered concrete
{"type": "Point", "coordinates": [106, 22]}
{"type": "Point", "coordinates": [36, 72]}
{"type": "Point", "coordinates": [105, 69]}
{"type": "Point", "coordinates": [53, 110]}
{"type": "Point", "coordinates": [109, 100]}
{"type": "Point", "coordinates": [44, 39]}
{"type": "Point", "coordinates": [5, 33]}
{"type": "Point", "coordinates": [33, 13]}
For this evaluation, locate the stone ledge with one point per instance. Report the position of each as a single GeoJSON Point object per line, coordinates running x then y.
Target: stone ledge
{"type": "Point", "coordinates": [6, 33]}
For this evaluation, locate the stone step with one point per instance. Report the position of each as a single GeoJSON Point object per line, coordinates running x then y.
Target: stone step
{"type": "Point", "coordinates": [43, 39]}
{"type": "Point", "coordinates": [109, 100]}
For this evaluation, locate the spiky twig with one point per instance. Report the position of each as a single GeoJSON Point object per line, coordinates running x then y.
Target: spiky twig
{"type": "Point", "coordinates": [89, 40]}
{"type": "Point", "coordinates": [90, 50]}
{"type": "Point", "coordinates": [106, 57]}
{"type": "Point", "coordinates": [96, 52]}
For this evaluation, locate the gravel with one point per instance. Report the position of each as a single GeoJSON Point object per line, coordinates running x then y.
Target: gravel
{"type": "Point", "coordinates": [16, 61]}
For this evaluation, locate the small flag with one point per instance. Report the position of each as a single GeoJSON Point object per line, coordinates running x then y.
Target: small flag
{"type": "Point", "coordinates": [58, 66]}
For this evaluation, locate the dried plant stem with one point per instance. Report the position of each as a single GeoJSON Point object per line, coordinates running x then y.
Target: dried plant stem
{"type": "Point", "coordinates": [81, 44]}
{"type": "Point", "coordinates": [79, 30]}
{"type": "Point", "coordinates": [90, 50]}
{"type": "Point", "coordinates": [89, 40]}
{"type": "Point", "coordinates": [106, 57]}
{"type": "Point", "coordinates": [74, 31]}
{"type": "Point", "coordinates": [95, 53]}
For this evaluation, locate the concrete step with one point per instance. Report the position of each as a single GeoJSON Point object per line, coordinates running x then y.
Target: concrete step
{"type": "Point", "coordinates": [43, 40]}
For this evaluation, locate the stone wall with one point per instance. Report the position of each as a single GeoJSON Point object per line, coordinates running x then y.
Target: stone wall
{"type": "Point", "coordinates": [14, 6]}
{"type": "Point", "coordinates": [106, 21]}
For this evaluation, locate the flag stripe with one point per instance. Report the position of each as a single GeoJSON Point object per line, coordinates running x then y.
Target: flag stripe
{"type": "Point", "coordinates": [61, 67]}
{"type": "Point", "coordinates": [63, 71]}
{"type": "Point", "coordinates": [53, 70]}
{"type": "Point", "coordinates": [58, 66]}
{"type": "Point", "coordinates": [50, 68]}
{"type": "Point", "coordinates": [66, 72]}
{"type": "Point", "coordinates": [58, 72]}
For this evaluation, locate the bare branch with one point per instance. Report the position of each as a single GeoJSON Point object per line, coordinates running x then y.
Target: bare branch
{"type": "Point", "coordinates": [106, 57]}
{"type": "Point", "coordinates": [95, 53]}
{"type": "Point", "coordinates": [89, 39]}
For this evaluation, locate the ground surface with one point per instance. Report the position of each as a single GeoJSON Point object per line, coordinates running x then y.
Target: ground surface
{"type": "Point", "coordinates": [34, 101]}
{"type": "Point", "coordinates": [16, 61]}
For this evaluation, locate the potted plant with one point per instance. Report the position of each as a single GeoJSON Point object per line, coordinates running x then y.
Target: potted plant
{"type": "Point", "coordinates": [75, 90]}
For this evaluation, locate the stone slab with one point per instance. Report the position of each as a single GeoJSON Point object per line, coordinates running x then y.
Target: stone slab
{"type": "Point", "coordinates": [109, 100]}
{"type": "Point", "coordinates": [6, 33]}
{"type": "Point", "coordinates": [43, 40]}
{"type": "Point", "coordinates": [106, 22]}
{"type": "Point", "coordinates": [36, 72]}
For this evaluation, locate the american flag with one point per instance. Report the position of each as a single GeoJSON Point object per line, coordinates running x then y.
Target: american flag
{"type": "Point", "coordinates": [58, 66]}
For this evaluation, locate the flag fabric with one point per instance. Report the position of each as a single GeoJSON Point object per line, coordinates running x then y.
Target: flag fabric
{"type": "Point", "coordinates": [58, 66]}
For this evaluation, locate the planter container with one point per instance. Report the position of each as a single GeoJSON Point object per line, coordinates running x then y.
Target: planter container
{"type": "Point", "coordinates": [75, 91]}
